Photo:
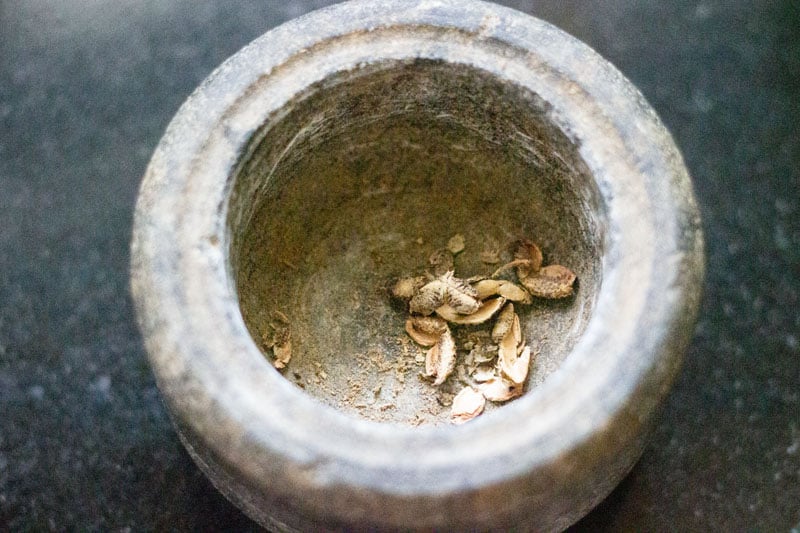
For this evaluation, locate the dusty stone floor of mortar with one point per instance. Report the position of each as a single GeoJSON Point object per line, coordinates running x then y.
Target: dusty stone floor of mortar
{"type": "Point", "coordinates": [86, 90]}
{"type": "Point", "coordinates": [352, 209]}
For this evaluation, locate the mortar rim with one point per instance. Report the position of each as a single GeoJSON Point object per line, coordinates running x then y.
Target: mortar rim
{"type": "Point", "coordinates": [172, 372]}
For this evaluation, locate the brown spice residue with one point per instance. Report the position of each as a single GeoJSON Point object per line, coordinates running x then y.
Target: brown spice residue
{"type": "Point", "coordinates": [456, 244]}
{"type": "Point", "coordinates": [278, 338]}
{"type": "Point", "coordinates": [496, 362]}
{"type": "Point", "coordinates": [463, 338]}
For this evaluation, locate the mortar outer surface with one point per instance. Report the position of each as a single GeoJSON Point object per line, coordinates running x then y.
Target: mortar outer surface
{"type": "Point", "coordinates": [538, 464]}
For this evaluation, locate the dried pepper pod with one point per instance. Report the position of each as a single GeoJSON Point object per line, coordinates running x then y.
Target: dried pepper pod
{"type": "Point", "coordinates": [428, 298]}
{"type": "Point", "coordinates": [516, 369]}
{"type": "Point", "coordinates": [467, 404]}
{"type": "Point", "coordinates": [501, 287]}
{"type": "Point", "coordinates": [484, 312]}
{"type": "Point", "coordinates": [441, 359]}
{"type": "Point", "coordinates": [553, 281]}
{"type": "Point", "coordinates": [510, 345]}
{"type": "Point", "coordinates": [500, 390]}
{"type": "Point", "coordinates": [503, 323]}
{"type": "Point", "coordinates": [526, 251]}
{"type": "Point", "coordinates": [460, 295]}
{"type": "Point", "coordinates": [425, 330]}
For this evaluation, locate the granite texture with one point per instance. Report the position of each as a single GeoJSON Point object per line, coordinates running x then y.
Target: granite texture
{"type": "Point", "coordinates": [86, 89]}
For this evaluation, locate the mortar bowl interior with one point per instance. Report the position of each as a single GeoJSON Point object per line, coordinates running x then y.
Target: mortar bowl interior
{"type": "Point", "coordinates": [359, 180]}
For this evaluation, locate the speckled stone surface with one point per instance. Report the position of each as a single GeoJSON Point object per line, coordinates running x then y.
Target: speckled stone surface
{"type": "Point", "coordinates": [86, 89]}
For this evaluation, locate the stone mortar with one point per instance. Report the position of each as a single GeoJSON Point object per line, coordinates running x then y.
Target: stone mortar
{"type": "Point", "coordinates": [334, 154]}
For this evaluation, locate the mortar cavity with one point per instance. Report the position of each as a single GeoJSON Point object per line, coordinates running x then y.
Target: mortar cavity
{"type": "Point", "coordinates": [359, 179]}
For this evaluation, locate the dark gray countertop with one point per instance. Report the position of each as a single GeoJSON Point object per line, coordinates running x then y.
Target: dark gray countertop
{"type": "Point", "coordinates": [87, 88]}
